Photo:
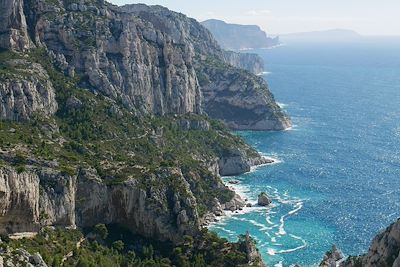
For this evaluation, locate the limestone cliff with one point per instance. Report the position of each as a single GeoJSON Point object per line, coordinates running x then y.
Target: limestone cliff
{"type": "Point", "coordinates": [384, 250]}
{"type": "Point", "coordinates": [25, 89]}
{"type": "Point", "coordinates": [251, 62]}
{"type": "Point", "coordinates": [143, 57]}
{"type": "Point", "coordinates": [238, 98]}
{"type": "Point", "coordinates": [36, 198]}
{"type": "Point", "coordinates": [237, 37]}
{"type": "Point", "coordinates": [13, 26]}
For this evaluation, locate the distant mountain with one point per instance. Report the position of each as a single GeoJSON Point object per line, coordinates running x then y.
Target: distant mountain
{"type": "Point", "coordinates": [334, 35]}
{"type": "Point", "coordinates": [239, 37]}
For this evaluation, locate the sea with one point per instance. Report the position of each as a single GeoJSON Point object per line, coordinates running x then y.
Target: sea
{"type": "Point", "coordinates": [336, 179]}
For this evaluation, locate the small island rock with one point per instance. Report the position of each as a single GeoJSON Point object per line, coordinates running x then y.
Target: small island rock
{"type": "Point", "coordinates": [263, 199]}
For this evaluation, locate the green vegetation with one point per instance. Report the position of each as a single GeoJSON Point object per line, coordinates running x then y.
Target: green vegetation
{"type": "Point", "coordinates": [97, 132]}
{"type": "Point", "coordinates": [121, 248]}
{"type": "Point", "coordinates": [117, 144]}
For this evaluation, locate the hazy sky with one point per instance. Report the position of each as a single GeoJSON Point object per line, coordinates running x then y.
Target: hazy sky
{"type": "Point", "coordinates": [370, 17]}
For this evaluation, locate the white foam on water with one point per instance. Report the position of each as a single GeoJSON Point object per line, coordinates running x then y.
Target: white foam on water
{"type": "Point", "coordinates": [273, 239]}
{"type": "Point", "coordinates": [269, 220]}
{"type": "Point", "coordinates": [284, 251]}
{"type": "Point", "coordinates": [225, 230]}
{"type": "Point", "coordinates": [271, 251]}
{"type": "Point", "coordinates": [281, 105]}
{"type": "Point", "coordinates": [274, 162]}
{"type": "Point", "coordinates": [298, 206]}
{"type": "Point", "coordinates": [263, 73]}
{"type": "Point", "coordinates": [294, 127]}
{"type": "Point", "coordinates": [279, 264]}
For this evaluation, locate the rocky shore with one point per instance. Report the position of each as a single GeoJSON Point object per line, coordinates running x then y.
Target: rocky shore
{"type": "Point", "coordinates": [238, 202]}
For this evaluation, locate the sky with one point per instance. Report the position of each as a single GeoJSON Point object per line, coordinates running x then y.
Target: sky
{"type": "Point", "coordinates": [367, 17]}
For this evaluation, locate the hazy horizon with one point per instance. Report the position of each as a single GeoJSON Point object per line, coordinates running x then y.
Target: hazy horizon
{"type": "Point", "coordinates": [366, 17]}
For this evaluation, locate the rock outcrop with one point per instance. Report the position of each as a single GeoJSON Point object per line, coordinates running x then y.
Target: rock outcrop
{"type": "Point", "coordinates": [332, 258]}
{"type": "Point", "coordinates": [263, 199]}
{"type": "Point", "coordinates": [384, 250]}
{"type": "Point", "coordinates": [252, 253]}
{"type": "Point", "coordinates": [36, 198]}
{"type": "Point", "coordinates": [20, 257]}
{"type": "Point", "coordinates": [237, 203]}
{"type": "Point", "coordinates": [25, 89]}
{"type": "Point", "coordinates": [240, 99]}
{"type": "Point", "coordinates": [159, 212]}
{"type": "Point", "coordinates": [251, 62]}
{"type": "Point", "coordinates": [237, 37]}
{"type": "Point", "coordinates": [235, 162]}
{"type": "Point", "coordinates": [143, 57]}
{"type": "Point", "coordinates": [13, 27]}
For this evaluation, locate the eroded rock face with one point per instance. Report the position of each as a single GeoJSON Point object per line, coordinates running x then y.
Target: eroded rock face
{"type": "Point", "coordinates": [32, 198]}
{"type": "Point", "coordinates": [144, 57]}
{"type": "Point", "coordinates": [236, 162]}
{"type": "Point", "coordinates": [19, 201]}
{"type": "Point", "coordinates": [252, 253]}
{"type": "Point", "coordinates": [36, 198]}
{"type": "Point", "coordinates": [251, 62]}
{"type": "Point", "coordinates": [159, 213]}
{"type": "Point", "coordinates": [331, 258]}
{"type": "Point", "coordinates": [13, 27]}
{"type": "Point", "coordinates": [240, 99]}
{"type": "Point", "coordinates": [384, 250]}
{"type": "Point", "coordinates": [25, 89]}
{"type": "Point", "coordinates": [20, 257]}
{"type": "Point", "coordinates": [124, 55]}
{"type": "Point", "coordinates": [237, 203]}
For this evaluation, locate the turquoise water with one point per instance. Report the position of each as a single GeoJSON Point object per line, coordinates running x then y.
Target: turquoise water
{"type": "Point", "coordinates": [338, 179]}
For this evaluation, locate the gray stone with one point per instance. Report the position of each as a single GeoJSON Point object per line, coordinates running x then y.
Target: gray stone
{"type": "Point", "coordinates": [234, 204]}
{"type": "Point", "coordinates": [27, 93]}
{"type": "Point", "coordinates": [37, 260]}
{"type": "Point", "coordinates": [332, 258]}
{"type": "Point", "coordinates": [251, 62]}
{"type": "Point", "coordinates": [73, 103]}
{"type": "Point", "coordinates": [233, 162]}
{"type": "Point", "coordinates": [385, 248]}
{"type": "Point", "coordinates": [73, 7]}
{"type": "Point", "coordinates": [263, 199]}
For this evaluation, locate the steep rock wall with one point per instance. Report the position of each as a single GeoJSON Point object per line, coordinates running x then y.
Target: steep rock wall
{"type": "Point", "coordinates": [25, 89]}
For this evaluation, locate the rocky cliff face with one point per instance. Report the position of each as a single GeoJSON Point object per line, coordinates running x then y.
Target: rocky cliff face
{"type": "Point", "coordinates": [25, 89]}
{"type": "Point", "coordinates": [241, 100]}
{"type": "Point", "coordinates": [237, 37]}
{"type": "Point", "coordinates": [384, 250]}
{"type": "Point", "coordinates": [13, 26]}
{"type": "Point", "coordinates": [36, 198]}
{"type": "Point", "coordinates": [251, 62]}
{"type": "Point", "coordinates": [113, 52]}
{"type": "Point", "coordinates": [143, 57]}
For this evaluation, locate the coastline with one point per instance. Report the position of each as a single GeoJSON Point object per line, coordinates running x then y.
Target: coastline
{"type": "Point", "coordinates": [246, 205]}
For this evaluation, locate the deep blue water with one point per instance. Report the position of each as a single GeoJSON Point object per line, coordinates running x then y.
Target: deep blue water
{"type": "Point", "coordinates": [338, 181]}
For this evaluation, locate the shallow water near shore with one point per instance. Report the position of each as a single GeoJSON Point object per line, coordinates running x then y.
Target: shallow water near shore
{"type": "Point", "coordinates": [338, 176]}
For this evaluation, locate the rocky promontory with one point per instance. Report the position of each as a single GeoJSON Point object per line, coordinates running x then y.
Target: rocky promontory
{"type": "Point", "coordinates": [384, 250]}
{"type": "Point", "coordinates": [239, 37]}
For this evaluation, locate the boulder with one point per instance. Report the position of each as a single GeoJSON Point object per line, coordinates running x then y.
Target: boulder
{"type": "Point", "coordinates": [263, 199]}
